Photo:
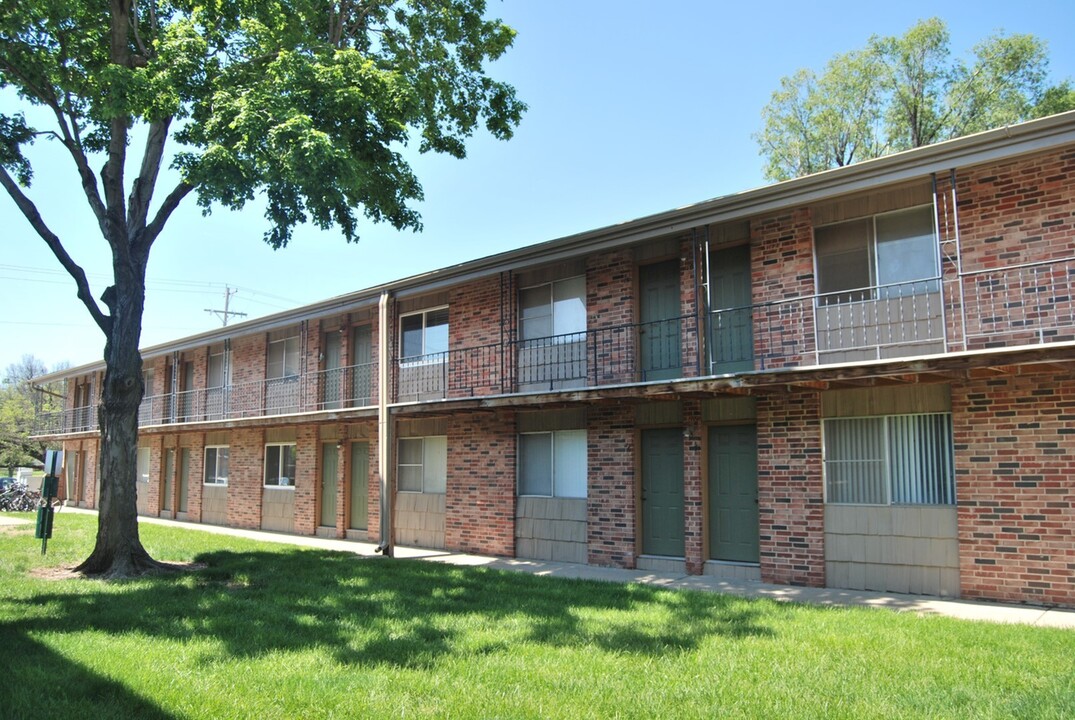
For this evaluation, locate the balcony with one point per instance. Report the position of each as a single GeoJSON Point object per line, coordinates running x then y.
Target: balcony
{"type": "Point", "coordinates": [1016, 306]}
{"type": "Point", "coordinates": [339, 388]}
{"type": "Point", "coordinates": [661, 350]}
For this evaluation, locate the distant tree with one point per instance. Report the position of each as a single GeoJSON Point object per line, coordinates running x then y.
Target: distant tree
{"type": "Point", "coordinates": [20, 403]}
{"type": "Point", "coordinates": [305, 103]}
{"type": "Point", "coordinates": [900, 93]}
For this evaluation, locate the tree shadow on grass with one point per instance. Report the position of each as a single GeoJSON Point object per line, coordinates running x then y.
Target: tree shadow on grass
{"type": "Point", "coordinates": [38, 682]}
{"type": "Point", "coordinates": [401, 613]}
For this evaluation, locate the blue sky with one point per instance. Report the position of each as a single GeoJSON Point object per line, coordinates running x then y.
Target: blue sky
{"type": "Point", "coordinates": [635, 107]}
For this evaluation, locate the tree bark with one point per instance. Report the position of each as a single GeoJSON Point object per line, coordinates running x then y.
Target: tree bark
{"type": "Point", "coordinates": [118, 551]}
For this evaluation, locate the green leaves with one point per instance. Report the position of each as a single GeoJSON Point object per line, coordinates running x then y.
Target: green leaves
{"type": "Point", "coordinates": [14, 133]}
{"type": "Point", "coordinates": [902, 92]}
{"type": "Point", "coordinates": [305, 102]}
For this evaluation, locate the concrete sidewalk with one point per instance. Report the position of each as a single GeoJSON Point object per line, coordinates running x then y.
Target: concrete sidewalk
{"type": "Point", "coordinates": [919, 604]}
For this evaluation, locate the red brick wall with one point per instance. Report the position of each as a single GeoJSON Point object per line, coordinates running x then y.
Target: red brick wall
{"type": "Point", "coordinates": [195, 442]}
{"type": "Point", "coordinates": [480, 499]}
{"type": "Point", "coordinates": [475, 337]}
{"type": "Point", "coordinates": [156, 473]}
{"type": "Point", "coordinates": [247, 362]}
{"type": "Point", "coordinates": [610, 303]}
{"type": "Point", "coordinates": [1019, 211]}
{"type": "Point", "coordinates": [246, 460]}
{"type": "Point", "coordinates": [693, 484]}
{"type": "Point", "coordinates": [688, 282]}
{"type": "Point", "coordinates": [782, 267]}
{"type": "Point", "coordinates": [1015, 479]}
{"type": "Point", "coordinates": [790, 490]}
{"type": "Point", "coordinates": [1012, 213]}
{"type": "Point", "coordinates": [611, 509]}
{"type": "Point", "coordinates": [374, 523]}
{"type": "Point", "coordinates": [307, 512]}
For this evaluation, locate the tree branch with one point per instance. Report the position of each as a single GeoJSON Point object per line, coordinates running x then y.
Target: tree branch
{"type": "Point", "coordinates": [29, 210]}
{"type": "Point", "coordinates": [85, 173]}
{"type": "Point", "coordinates": [112, 172]}
{"type": "Point", "coordinates": [144, 184]}
{"type": "Point", "coordinates": [149, 235]}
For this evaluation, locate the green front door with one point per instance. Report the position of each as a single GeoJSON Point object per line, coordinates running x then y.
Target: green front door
{"type": "Point", "coordinates": [731, 327]}
{"type": "Point", "coordinates": [360, 485]}
{"type": "Point", "coordinates": [733, 493]}
{"type": "Point", "coordinates": [659, 316]}
{"type": "Point", "coordinates": [330, 466]}
{"type": "Point", "coordinates": [662, 492]}
{"type": "Point", "coordinates": [184, 478]}
{"type": "Point", "coordinates": [169, 479]}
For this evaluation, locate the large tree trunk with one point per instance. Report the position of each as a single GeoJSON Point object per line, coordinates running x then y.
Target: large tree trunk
{"type": "Point", "coordinates": [118, 552]}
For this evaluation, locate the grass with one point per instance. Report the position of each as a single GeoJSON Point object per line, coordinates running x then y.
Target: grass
{"type": "Point", "coordinates": [269, 631]}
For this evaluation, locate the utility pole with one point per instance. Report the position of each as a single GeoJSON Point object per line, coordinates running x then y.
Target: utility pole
{"type": "Point", "coordinates": [225, 313]}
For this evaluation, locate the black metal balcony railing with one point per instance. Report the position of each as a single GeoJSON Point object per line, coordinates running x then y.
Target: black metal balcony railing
{"type": "Point", "coordinates": [1014, 306]}
{"type": "Point", "coordinates": [603, 356]}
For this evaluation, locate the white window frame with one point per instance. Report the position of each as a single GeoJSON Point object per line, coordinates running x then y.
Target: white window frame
{"type": "Point", "coordinates": [889, 461]}
{"type": "Point", "coordinates": [283, 347]}
{"type": "Point", "coordinates": [224, 355]}
{"type": "Point", "coordinates": [424, 358]}
{"type": "Point", "coordinates": [869, 290]}
{"type": "Point", "coordinates": [145, 452]}
{"type": "Point", "coordinates": [216, 481]}
{"type": "Point", "coordinates": [561, 335]}
{"type": "Point", "coordinates": [280, 466]}
{"type": "Point", "coordinates": [554, 486]}
{"type": "Point", "coordinates": [433, 482]}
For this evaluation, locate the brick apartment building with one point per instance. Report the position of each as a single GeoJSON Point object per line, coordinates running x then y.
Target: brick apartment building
{"type": "Point", "coordinates": [863, 378]}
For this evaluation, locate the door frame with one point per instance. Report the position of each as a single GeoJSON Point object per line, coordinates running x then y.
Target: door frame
{"type": "Point", "coordinates": [638, 483]}
{"type": "Point", "coordinates": [324, 444]}
{"type": "Point", "coordinates": [707, 500]}
{"type": "Point", "coordinates": [637, 289]}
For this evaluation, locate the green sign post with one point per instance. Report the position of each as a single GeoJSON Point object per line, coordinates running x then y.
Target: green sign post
{"type": "Point", "coordinates": [49, 487]}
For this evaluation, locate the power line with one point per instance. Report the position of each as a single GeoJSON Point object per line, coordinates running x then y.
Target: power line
{"type": "Point", "coordinates": [153, 283]}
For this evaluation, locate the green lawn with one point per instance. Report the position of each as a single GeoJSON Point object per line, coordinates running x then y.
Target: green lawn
{"type": "Point", "coordinates": [269, 631]}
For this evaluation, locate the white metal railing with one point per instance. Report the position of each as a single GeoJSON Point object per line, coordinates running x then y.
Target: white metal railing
{"type": "Point", "coordinates": [347, 387]}
{"type": "Point", "coordinates": [1032, 303]}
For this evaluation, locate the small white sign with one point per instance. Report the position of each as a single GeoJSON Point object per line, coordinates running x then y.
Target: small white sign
{"type": "Point", "coordinates": [53, 462]}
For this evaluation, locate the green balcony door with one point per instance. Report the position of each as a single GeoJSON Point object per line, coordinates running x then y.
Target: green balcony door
{"type": "Point", "coordinates": [662, 492]}
{"type": "Point", "coordinates": [330, 466]}
{"type": "Point", "coordinates": [731, 327]}
{"type": "Point", "coordinates": [659, 317]}
{"type": "Point", "coordinates": [360, 486]}
{"type": "Point", "coordinates": [332, 377]}
{"type": "Point", "coordinates": [733, 493]}
{"type": "Point", "coordinates": [362, 360]}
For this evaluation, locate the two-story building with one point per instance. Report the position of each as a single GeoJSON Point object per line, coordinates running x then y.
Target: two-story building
{"type": "Point", "coordinates": [863, 378]}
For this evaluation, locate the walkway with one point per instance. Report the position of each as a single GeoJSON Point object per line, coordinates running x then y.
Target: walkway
{"type": "Point", "coordinates": [920, 604]}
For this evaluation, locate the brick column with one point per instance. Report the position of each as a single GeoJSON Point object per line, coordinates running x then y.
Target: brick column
{"type": "Point", "coordinates": [790, 490]}
{"type": "Point", "coordinates": [611, 510]}
{"type": "Point", "coordinates": [480, 504]}
{"type": "Point", "coordinates": [693, 482]}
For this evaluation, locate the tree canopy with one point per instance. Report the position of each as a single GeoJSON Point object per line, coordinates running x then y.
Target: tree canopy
{"type": "Point", "coordinates": [303, 103]}
{"type": "Point", "coordinates": [902, 92]}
